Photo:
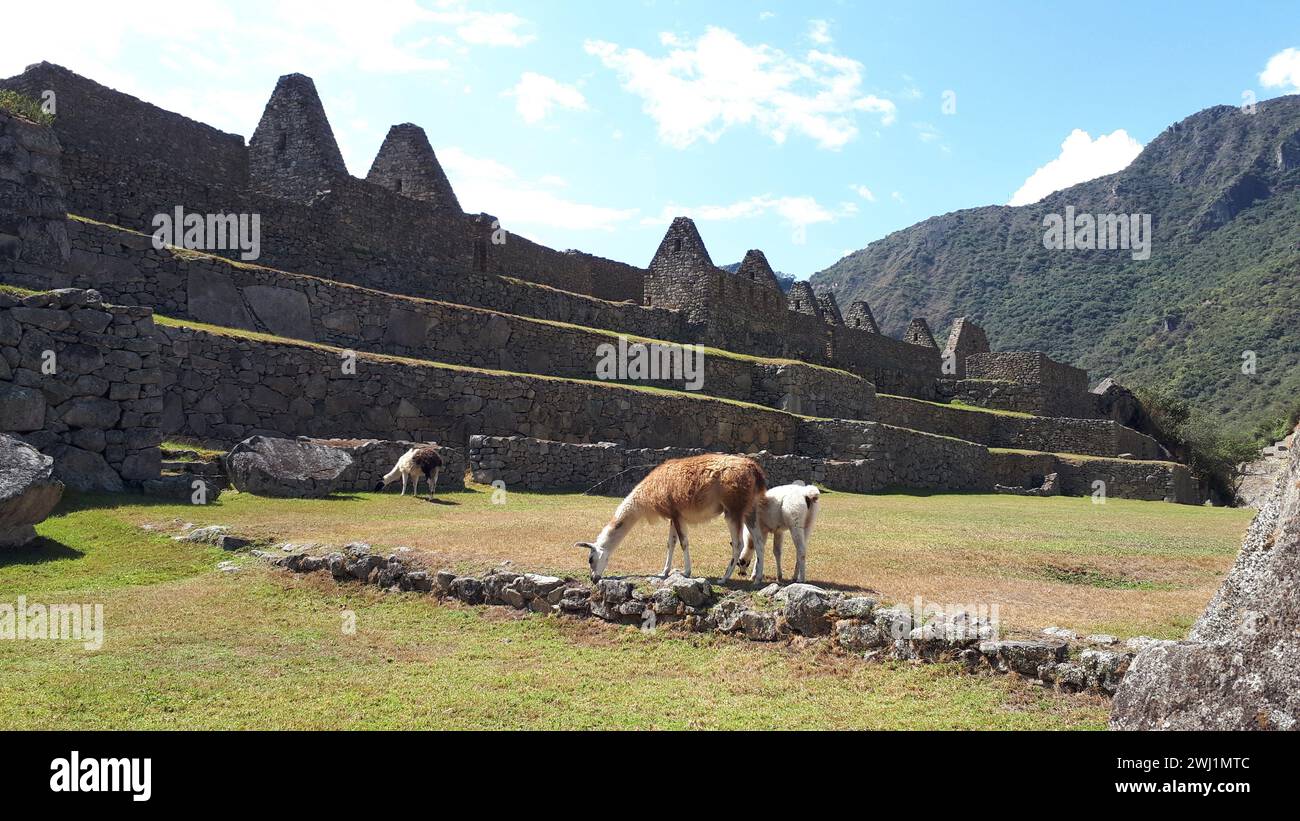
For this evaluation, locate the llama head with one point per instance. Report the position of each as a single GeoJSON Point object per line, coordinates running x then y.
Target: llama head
{"type": "Point", "coordinates": [597, 558]}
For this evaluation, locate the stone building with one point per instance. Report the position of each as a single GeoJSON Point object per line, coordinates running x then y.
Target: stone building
{"type": "Point", "coordinates": [495, 332]}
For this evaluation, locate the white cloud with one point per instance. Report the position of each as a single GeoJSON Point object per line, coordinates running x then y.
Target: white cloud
{"type": "Point", "coordinates": [819, 31]}
{"type": "Point", "coordinates": [699, 90]}
{"type": "Point", "coordinates": [1081, 159]}
{"type": "Point", "coordinates": [864, 192]}
{"type": "Point", "coordinates": [764, 16]}
{"type": "Point", "coordinates": [536, 95]}
{"type": "Point", "coordinates": [1283, 69]}
{"type": "Point", "coordinates": [797, 213]}
{"type": "Point", "coordinates": [246, 44]}
{"type": "Point", "coordinates": [485, 184]}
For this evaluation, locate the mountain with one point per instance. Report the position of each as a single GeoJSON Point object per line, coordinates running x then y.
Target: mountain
{"type": "Point", "coordinates": [786, 281]}
{"type": "Point", "coordinates": [1222, 278]}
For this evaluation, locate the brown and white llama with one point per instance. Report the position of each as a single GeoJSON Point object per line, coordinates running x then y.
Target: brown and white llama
{"type": "Point", "coordinates": [413, 464]}
{"type": "Point", "coordinates": [686, 491]}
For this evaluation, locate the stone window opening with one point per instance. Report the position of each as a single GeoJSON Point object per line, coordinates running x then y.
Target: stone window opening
{"type": "Point", "coordinates": [282, 143]}
{"type": "Point", "coordinates": [480, 255]}
{"type": "Point", "coordinates": [399, 186]}
{"type": "Point", "coordinates": [677, 244]}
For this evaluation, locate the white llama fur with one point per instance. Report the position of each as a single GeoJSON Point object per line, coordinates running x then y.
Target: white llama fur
{"type": "Point", "coordinates": [788, 507]}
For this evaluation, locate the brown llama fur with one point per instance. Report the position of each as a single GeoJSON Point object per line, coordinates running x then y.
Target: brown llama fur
{"type": "Point", "coordinates": [686, 491]}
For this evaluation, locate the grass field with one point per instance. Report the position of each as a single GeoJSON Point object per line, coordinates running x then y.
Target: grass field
{"type": "Point", "coordinates": [188, 646]}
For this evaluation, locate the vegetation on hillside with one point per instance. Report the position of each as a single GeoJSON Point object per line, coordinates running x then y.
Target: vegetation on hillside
{"type": "Point", "coordinates": [1219, 291]}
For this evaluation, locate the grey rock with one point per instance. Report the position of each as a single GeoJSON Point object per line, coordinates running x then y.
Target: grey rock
{"type": "Point", "coordinates": [692, 592]}
{"type": "Point", "coordinates": [85, 471]}
{"type": "Point", "coordinates": [859, 636]}
{"type": "Point", "coordinates": [21, 409]}
{"type": "Point", "coordinates": [857, 607]}
{"type": "Point", "coordinates": [28, 490]}
{"type": "Point", "coordinates": [283, 311]}
{"type": "Point", "coordinates": [286, 468]}
{"type": "Point", "coordinates": [1023, 657]}
{"type": "Point", "coordinates": [806, 609]}
{"type": "Point", "coordinates": [1237, 669]}
{"type": "Point", "coordinates": [212, 297]}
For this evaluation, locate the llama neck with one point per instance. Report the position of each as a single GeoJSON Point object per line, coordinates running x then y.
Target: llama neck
{"type": "Point", "coordinates": [625, 518]}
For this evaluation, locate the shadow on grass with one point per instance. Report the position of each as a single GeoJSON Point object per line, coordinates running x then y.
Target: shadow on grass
{"type": "Point", "coordinates": [39, 551]}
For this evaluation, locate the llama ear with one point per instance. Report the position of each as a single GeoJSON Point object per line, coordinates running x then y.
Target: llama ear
{"type": "Point", "coordinates": [585, 545]}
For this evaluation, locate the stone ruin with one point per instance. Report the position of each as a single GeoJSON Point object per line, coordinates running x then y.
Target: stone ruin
{"type": "Point", "coordinates": [1236, 670]}
{"type": "Point", "coordinates": [458, 328]}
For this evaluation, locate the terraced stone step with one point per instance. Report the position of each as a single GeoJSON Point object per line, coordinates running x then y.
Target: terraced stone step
{"type": "Point", "coordinates": [126, 269]}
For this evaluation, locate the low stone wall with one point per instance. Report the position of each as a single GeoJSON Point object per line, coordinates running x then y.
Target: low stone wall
{"type": "Point", "coordinates": [855, 458]}
{"type": "Point", "coordinates": [1122, 478]}
{"type": "Point", "coordinates": [854, 625]}
{"type": "Point", "coordinates": [1090, 437]}
{"type": "Point", "coordinates": [126, 268]}
{"type": "Point", "coordinates": [79, 381]}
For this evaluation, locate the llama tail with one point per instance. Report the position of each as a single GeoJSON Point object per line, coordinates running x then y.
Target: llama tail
{"type": "Point", "coordinates": [812, 494]}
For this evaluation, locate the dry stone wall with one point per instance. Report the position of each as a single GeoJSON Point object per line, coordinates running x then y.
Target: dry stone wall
{"type": "Point", "coordinates": [1091, 437]}
{"type": "Point", "coordinates": [127, 161]}
{"type": "Point", "coordinates": [127, 269]}
{"type": "Point", "coordinates": [80, 381]}
{"type": "Point", "coordinates": [1061, 390]}
{"type": "Point", "coordinates": [1122, 479]}
{"type": "Point", "coordinates": [858, 458]}
{"type": "Point", "coordinates": [33, 238]}
{"type": "Point", "coordinates": [228, 388]}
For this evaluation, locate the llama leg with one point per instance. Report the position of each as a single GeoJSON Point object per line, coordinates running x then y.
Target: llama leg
{"type": "Point", "coordinates": [672, 544]}
{"type": "Point", "coordinates": [777, 538]}
{"type": "Point", "coordinates": [759, 540]}
{"type": "Point", "coordinates": [733, 524]}
{"type": "Point", "coordinates": [403, 493]}
{"type": "Point", "coordinates": [433, 483]}
{"type": "Point", "coordinates": [801, 551]}
{"type": "Point", "coordinates": [415, 489]}
{"type": "Point", "coordinates": [686, 550]}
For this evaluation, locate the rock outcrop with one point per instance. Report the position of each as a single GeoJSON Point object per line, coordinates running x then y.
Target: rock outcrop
{"type": "Point", "coordinates": [1237, 669]}
{"type": "Point", "coordinates": [28, 490]}
{"type": "Point", "coordinates": [288, 468]}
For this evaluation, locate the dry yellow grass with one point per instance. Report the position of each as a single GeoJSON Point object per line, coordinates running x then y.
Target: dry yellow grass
{"type": "Point", "coordinates": [1124, 567]}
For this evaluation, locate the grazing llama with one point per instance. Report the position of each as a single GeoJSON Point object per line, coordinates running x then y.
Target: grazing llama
{"type": "Point", "coordinates": [686, 491]}
{"type": "Point", "coordinates": [788, 507]}
{"type": "Point", "coordinates": [416, 462]}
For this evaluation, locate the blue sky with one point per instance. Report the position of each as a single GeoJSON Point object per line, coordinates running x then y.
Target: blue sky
{"type": "Point", "coordinates": [807, 129]}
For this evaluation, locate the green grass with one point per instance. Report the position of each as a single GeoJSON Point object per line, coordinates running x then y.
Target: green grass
{"type": "Point", "coordinates": [25, 107]}
{"type": "Point", "coordinates": [959, 405]}
{"type": "Point", "coordinates": [187, 647]}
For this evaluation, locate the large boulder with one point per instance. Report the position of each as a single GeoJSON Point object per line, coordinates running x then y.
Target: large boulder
{"type": "Point", "coordinates": [28, 490]}
{"type": "Point", "coordinates": [288, 468]}
{"type": "Point", "coordinates": [1237, 668]}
